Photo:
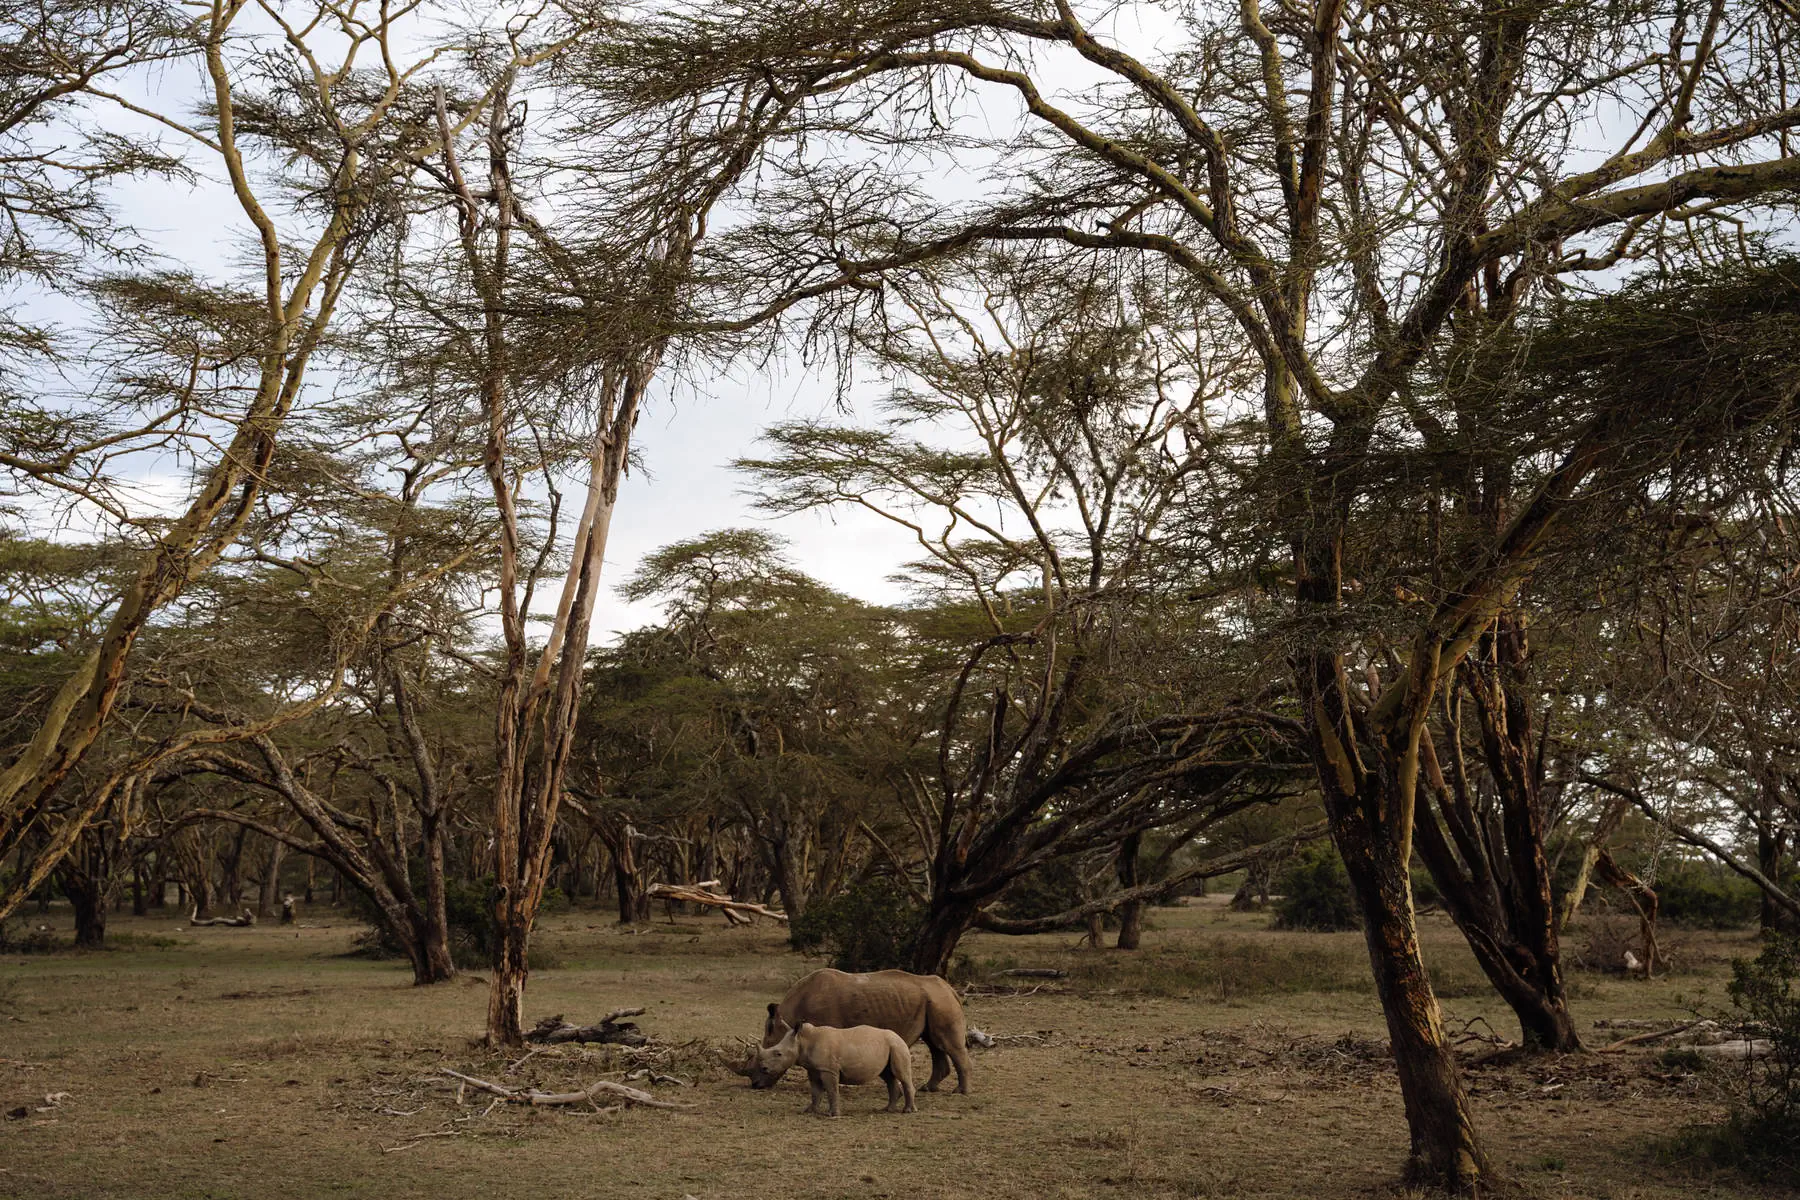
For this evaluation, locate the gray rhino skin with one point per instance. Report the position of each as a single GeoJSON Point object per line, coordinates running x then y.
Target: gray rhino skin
{"type": "Point", "coordinates": [861, 1054]}
{"type": "Point", "coordinates": [913, 1006]}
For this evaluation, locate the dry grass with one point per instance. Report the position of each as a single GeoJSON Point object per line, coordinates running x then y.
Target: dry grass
{"type": "Point", "coordinates": [1221, 1061]}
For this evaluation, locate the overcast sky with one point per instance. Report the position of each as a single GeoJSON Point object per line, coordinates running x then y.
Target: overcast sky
{"type": "Point", "coordinates": [686, 437]}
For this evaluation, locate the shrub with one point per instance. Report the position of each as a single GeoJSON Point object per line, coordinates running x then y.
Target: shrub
{"type": "Point", "coordinates": [1315, 894]}
{"type": "Point", "coordinates": [21, 938]}
{"type": "Point", "coordinates": [1762, 1135]}
{"type": "Point", "coordinates": [1424, 887]}
{"type": "Point", "coordinates": [1764, 991]}
{"type": "Point", "coordinates": [1052, 888]}
{"type": "Point", "coordinates": [1708, 897]}
{"type": "Point", "coordinates": [469, 912]}
{"type": "Point", "coordinates": [868, 927]}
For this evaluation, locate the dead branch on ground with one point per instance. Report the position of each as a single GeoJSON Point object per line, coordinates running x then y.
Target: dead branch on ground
{"type": "Point", "coordinates": [608, 1029]}
{"type": "Point", "coordinates": [538, 1099]}
{"type": "Point", "coordinates": [242, 920]}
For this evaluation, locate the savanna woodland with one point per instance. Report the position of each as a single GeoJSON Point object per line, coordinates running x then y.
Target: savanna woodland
{"type": "Point", "coordinates": [1329, 712]}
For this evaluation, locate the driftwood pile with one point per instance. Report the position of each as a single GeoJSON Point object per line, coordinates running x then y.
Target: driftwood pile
{"type": "Point", "coordinates": [608, 1030]}
{"type": "Point", "coordinates": [1703, 1037]}
{"type": "Point", "coordinates": [588, 1095]}
{"type": "Point", "coordinates": [243, 920]}
{"type": "Point", "coordinates": [737, 912]}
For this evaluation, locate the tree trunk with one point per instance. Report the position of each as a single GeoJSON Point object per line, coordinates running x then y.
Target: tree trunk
{"type": "Point", "coordinates": [231, 881]}
{"type": "Point", "coordinates": [943, 927]}
{"type": "Point", "coordinates": [1253, 893]}
{"type": "Point", "coordinates": [1771, 849]}
{"type": "Point", "coordinates": [634, 906]}
{"type": "Point", "coordinates": [506, 996]}
{"type": "Point", "coordinates": [87, 897]}
{"type": "Point", "coordinates": [269, 888]}
{"type": "Point", "coordinates": [1445, 1151]}
{"type": "Point", "coordinates": [434, 925]}
{"type": "Point", "coordinates": [1501, 904]}
{"type": "Point", "coordinates": [1131, 913]}
{"type": "Point", "coordinates": [202, 891]}
{"type": "Point", "coordinates": [139, 905]}
{"type": "Point", "coordinates": [1367, 758]}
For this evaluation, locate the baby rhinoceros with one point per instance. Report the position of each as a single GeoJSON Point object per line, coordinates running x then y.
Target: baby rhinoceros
{"type": "Point", "coordinates": [860, 1054]}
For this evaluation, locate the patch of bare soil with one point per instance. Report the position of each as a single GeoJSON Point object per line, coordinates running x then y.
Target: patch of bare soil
{"type": "Point", "coordinates": [252, 1063]}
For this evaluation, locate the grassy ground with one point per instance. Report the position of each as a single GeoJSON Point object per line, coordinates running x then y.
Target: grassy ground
{"type": "Point", "coordinates": [1221, 1061]}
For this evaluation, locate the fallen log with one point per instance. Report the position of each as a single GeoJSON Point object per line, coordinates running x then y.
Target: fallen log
{"type": "Point", "coordinates": [695, 895]}
{"type": "Point", "coordinates": [1638, 1039]}
{"type": "Point", "coordinates": [242, 920]}
{"type": "Point", "coordinates": [1742, 1048]}
{"type": "Point", "coordinates": [537, 1099]}
{"type": "Point", "coordinates": [1035, 973]}
{"type": "Point", "coordinates": [607, 1030]}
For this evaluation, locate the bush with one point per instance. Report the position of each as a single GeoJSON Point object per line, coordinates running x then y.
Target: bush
{"type": "Point", "coordinates": [1315, 894]}
{"type": "Point", "coordinates": [1424, 888]}
{"type": "Point", "coordinates": [869, 927]}
{"type": "Point", "coordinates": [20, 938]}
{"type": "Point", "coordinates": [469, 912]}
{"type": "Point", "coordinates": [1769, 1104]}
{"type": "Point", "coordinates": [1708, 898]}
{"type": "Point", "coordinates": [1052, 888]}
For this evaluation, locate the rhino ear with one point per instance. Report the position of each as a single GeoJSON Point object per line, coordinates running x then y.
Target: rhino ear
{"type": "Point", "coordinates": [774, 1008]}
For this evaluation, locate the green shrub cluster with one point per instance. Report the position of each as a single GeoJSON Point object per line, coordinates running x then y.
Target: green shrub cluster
{"type": "Point", "coordinates": [1050, 889]}
{"type": "Point", "coordinates": [1762, 1135]}
{"type": "Point", "coordinates": [1315, 894]}
{"type": "Point", "coordinates": [1708, 897]}
{"type": "Point", "coordinates": [18, 937]}
{"type": "Point", "coordinates": [1764, 991]}
{"type": "Point", "coordinates": [469, 912]}
{"type": "Point", "coordinates": [870, 926]}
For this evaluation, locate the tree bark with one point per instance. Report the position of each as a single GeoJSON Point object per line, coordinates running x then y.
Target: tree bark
{"type": "Point", "coordinates": [1131, 912]}
{"type": "Point", "coordinates": [1445, 1150]}
{"type": "Point", "coordinates": [87, 897]}
{"type": "Point", "coordinates": [269, 887]}
{"type": "Point", "coordinates": [944, 926]}
{"type": "Point", "coordinates": [434, 931]}
{"type": "Point", "coordinates": [1501, 902]}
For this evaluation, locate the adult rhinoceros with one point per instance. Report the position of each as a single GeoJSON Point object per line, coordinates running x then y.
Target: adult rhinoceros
{"type": "Point", "coordinates": [913, 1006]}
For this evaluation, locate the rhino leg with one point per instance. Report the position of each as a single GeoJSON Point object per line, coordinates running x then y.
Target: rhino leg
{"type": "Point", "coordinates": [828, 1080]}
{"type": "Point", "coordinates": [959, 1054]}
{"type": "Point", "coordinates": [940, 1067]}
{"type": "Point", "coordinates": [812, 1081]}
{"type": "Point", "coordinates": [901, 1075]}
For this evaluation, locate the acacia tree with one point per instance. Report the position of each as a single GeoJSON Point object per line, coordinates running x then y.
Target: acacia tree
{"type": "Point", "coordinates": [323, 89]}
{"type": "Point", "coordinates": [1703, 678]}
{"type": "Point", "coordinates": [1335, 176]}
{"type": "Point", "coordinates": [763, 697]}
{"type": "Point", "coordinates": [1082, 410]}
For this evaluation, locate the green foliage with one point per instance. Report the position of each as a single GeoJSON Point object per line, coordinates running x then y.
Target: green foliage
{"type": "Point", "coordinates": [868, 927]}
{"type": "Point", "coordinates": [469, 912]}
{"type": "Point", "coordinates": [1762, 1135]}
{"type": "Point", "coordinates": [1764, 991]}
{"type": "Point", "coordinates": [1708, 897]}
{"type": "Point", "coordinates": [1315, 894]}
{"type": "Point", "coordinates": [18, 937]}
{"type": "Point", "coordinates": [1424, 887]}
{"type": "Point", "coordinates": [1052, 888]}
